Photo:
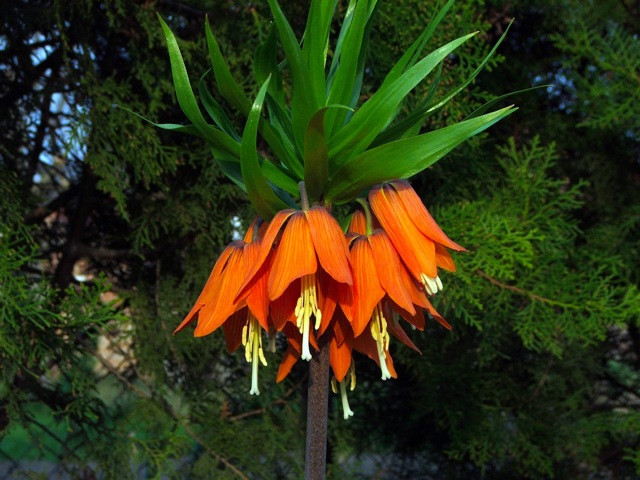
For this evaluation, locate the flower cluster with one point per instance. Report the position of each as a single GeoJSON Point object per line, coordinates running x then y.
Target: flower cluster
{"type": "Point", "coordinates": [301, 275]}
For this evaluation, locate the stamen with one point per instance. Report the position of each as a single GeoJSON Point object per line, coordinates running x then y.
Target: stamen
{"type": "Point", "coordinates": [346, 410]}
{"type": "Point", "coordinates": [431, 285]}
{"type": "Point", "coordinates": [352, 375]}
{"type": "Point", "coordinates": [381, 336]}
{"type": "Point", "coordinates": [349, 379]}
{"type": "Point", "coordinates": [306, 306]}
{"type": "Point", "coordinates": [253, 353]}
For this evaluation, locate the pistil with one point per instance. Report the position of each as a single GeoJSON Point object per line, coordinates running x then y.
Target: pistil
{"type": "Point", "coordinates": [253, 353]}
{"type": "Point", "coordinates": [307, 305]}
{"type": "Point", "coordinates": [381, 336]}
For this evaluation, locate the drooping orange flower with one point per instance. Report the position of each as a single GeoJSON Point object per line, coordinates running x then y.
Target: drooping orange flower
{"type": "Point", "coordinates": [243, 318]}
{"type": "Point", "coordinates": [415, 235]}
{"type": "Point", "coordinates": [382, 291]}
{"type": "Point", "coordinates": [311, 264]}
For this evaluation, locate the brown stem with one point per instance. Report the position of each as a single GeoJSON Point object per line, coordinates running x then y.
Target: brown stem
{"type": "Point", "coordinates": [317, 413]}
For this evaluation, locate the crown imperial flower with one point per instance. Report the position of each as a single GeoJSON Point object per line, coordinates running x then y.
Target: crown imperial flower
{"type": "Point", "coordinates": [297, 274]}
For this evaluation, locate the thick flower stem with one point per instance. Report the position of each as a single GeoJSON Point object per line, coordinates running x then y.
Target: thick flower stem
{"type": "Point", "coordinates": [317, 413]}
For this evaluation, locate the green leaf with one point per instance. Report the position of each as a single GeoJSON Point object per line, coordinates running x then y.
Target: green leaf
{"type": "Point", "coordinates": [364, 51]}
{"type": "Point", "coordinates": [316, 42]}
{"type": "Point", "coordinates": [265, 63]}
{"type": "Point", "coordinates": [480, 110]}
{"type": "Point", "coordinates": [316, 160]}
{"type": "Point", "coordinates": [346, 23]}
{"type": "Point", "coordinates": [261, 194]}
{"type": "Point", "coordinates": [341, 91]}
{"type": "Point", "coordinates": [303, 102]}
{"type": "Point", "coordinates": [410, 125]}
{"type": "Point", "coordinates": [227, 86]}
{"type": "Point", "coordinates": [471, 77]}
{"type": "Point", "coordinates": [367, 122]}
{"type": "Point", "coordinates": [403, 158]}
{"type": "Point", "coordinates": [230, 164]}
{"type": "Point", "coordinates": [190, 129]}
{"type": "Point", "coordinates": [412, 54]}
{"type": "Point", "coordinates": [214, 109]}
{"type": "Point", "coordinates": [187, 100]}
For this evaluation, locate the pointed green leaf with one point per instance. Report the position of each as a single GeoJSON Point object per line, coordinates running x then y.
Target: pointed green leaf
{"type": "Point", "coordinates": [410, 125]}
{"type": "Point", "coordinates": [480, 110]}
{"type": "Point", "coordinates": [341, 91]}
{"type": "Point", "coordinates": [232, 92]}
{"type": "Point", "coordinates": [227, 86]}
{"type": "Point", "coordinates": [187, 100]}
{"type": "Point", "coordinates": [371, 117]}
{"type": "Point", "coordinates": [403, 158]}
{"type": "Point", "coordinates": [471, 77]}
{"type": "Point", "coordinates": [214, 109]}
{"type": "Point", "coordinates": [346, 23]}
{"type": "Point", "coordinates": [413, 52]}
{"type": "Point", "coordinates": [261, 195]}
{"type": "Point", "coordinates": [265, 63]}
{"type": "Point", "coordinates": [316, 160]}
{"type": "Point", "coordinates": [364, 51]}
{"type": "Point", "coordinates": [316, 42]}
{"type": "Point", "coordinates": [303, 102]}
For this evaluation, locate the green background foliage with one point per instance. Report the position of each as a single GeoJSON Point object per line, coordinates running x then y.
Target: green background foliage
{"type": "Point", "coordinates": [109, 228]}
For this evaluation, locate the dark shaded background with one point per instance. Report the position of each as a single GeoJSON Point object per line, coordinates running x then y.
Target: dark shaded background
{"type": "Point", "coordinates": [109, 228]}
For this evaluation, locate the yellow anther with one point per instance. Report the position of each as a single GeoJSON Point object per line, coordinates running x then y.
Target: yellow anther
{"type": "Point", "coordinates": [352, 372]}
{"type": "Point", "coordinates": [253, 353]}
{"type": "Point", "coordinates": [431, 285]}
{"type": "Point", "coordinates": [306, 306]}
{"type": "Point", "coordinates": [350, 380]}
{"type": "Point", "coordinates": [381, 336]}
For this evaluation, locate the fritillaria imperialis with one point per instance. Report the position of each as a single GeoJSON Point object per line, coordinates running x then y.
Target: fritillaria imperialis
{"type": "Point", "coordinates": [297, 273]}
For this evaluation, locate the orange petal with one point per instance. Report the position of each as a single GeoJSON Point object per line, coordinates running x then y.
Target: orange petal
{"type": "Point", "coordinates": [295, 256]}
{"type": "Point", "coordinates": [388, 266]}
{"type": "Point", "coordinates": [398, 226]}
{"type": "Point", "coordinates": [330, 244]}
{"type": "Point", "coordinates": [340, 358]}
{"type": "Point", "coordinates": [283, 307]}
{"type": "Point", "coordinates": [258, 295]}
{"type": "Point", "coordinates": [209, 291]}
{"type": "Point", "coordinates": [417, 319]}
{"type": "Point", "coordinates": [233, 329]}
{"type": "Point", "coordinates": [366, 345]}
{"type": "Point", "coordinates": [345, 300]}
{"type": "Point", "coordinates": [422, 247]}
{"type": "Point", "coordinates": [397, 331]}
{"type": "Point", "coordinates": [423, 220]}
{"type": "Point", "coordinates": [342, 331]}
{"type": "Point", "coordinates": [439, 318]}
{"type": "Point", "coordinates": [267, 242]}
{"type": "Point", "coordinates": [358, 223]}
{"type": "Point", "coordinates": [390, 367]}
{"type": "Point", "coordinates": [328, 294]}
{"type": "Point", "coordinates": [443, 258]}
{"type": "Point", "coordinates": [289, 359]}
{"type": "Point", "coordinates": [367, 291]}
{"type": "Point", "coordinates": [253, 229]}
{"type": "Point", "coordinates": [294, 337]}
{"type": "Point", "coordinates": [215, 313]}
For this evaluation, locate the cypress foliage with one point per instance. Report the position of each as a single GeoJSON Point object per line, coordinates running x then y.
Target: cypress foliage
{"type": "Point", "coordinates": [109, 227]}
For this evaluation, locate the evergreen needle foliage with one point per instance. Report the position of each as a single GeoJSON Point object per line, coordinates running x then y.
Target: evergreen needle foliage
{"type": "Point", "coordinates": [106, 234]}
